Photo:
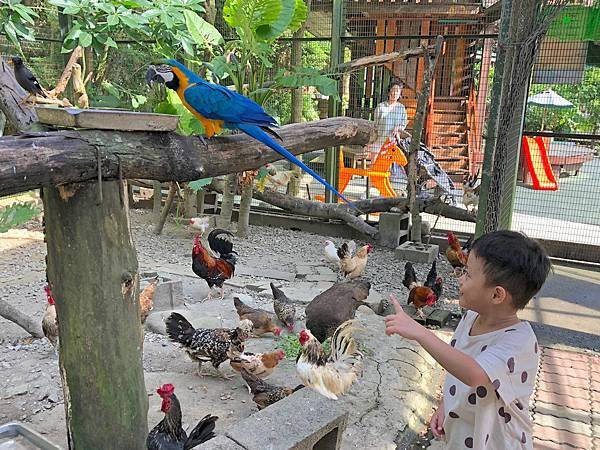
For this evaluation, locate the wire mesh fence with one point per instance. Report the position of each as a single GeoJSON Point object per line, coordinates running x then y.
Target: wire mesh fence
{"type": "Point", "coordinates": [562, 141]}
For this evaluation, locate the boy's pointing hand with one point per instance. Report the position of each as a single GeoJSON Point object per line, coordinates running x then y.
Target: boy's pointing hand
{"type": "Point", "coordinates": [401, 323]}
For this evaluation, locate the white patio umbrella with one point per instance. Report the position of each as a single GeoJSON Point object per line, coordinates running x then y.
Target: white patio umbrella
{"type": "Point", "coordinates": [549, 99]}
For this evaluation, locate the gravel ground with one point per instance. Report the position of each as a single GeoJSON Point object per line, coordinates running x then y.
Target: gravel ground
{"type": "Point", "coordinates": [28, 368]}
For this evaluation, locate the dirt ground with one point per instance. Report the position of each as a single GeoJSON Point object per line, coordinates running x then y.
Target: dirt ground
{"type": "Point", "coordinates": [29, 368]}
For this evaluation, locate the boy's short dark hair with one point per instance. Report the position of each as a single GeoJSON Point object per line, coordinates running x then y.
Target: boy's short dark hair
{"type": "Point", "coordinates": [512, 260]}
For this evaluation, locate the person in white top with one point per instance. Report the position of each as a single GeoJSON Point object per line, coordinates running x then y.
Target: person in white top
{"type": "Point", "coordinates": [492, 360]}
{"type": "Point", "coordinates": [390, 117]}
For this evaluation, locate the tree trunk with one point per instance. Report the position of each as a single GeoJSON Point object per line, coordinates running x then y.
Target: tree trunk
{"type": "Point", "coordinates": [34, 160]}
{"type": "Point", "coordinates": [93, 272]}
{"type": "Point", "coordinates": [17, 116]}
{"type": "Point", "coordinates": [32, 326]}
{"type": "Point", "coordinates": [417, 132]}
{"type": "Point", "coordinates": [224, 219]}
{"type": "Point", "coordinates": [160, 223]}
{"type": "Point", "coordinates": [189, 202]}
{"type": "Point", "coordinates": [157, 199]}
{"type": "Point", "coordinates": [244, 211]}
{"type": "Point", "coordinates": [293, 187]}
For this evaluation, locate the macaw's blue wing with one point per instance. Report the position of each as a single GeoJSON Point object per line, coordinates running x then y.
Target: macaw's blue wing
{"type": "Point", "coordinates": [236, 111]}
{"type": "Point", "coordinates": [260, 135]}
{"type": "Point", "coordinates": [219, 103]}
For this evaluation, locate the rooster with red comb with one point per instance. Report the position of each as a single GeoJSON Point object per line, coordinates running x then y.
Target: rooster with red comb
{"type": "Point", "coordinates": [169, 434]}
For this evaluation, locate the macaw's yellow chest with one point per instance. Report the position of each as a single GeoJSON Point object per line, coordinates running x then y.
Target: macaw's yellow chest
{"type": "Point", "coordinates": [211, 126]}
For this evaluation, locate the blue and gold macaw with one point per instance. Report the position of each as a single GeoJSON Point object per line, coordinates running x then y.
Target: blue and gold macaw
{"type": "Point", "coordinates": [217, 107]}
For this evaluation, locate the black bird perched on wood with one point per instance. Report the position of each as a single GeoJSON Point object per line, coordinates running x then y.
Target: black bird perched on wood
{"type": "Point", "coordinates": [26, 79]}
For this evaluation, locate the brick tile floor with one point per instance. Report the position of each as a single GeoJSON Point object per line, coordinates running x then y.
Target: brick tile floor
{"type": "Point", "coordinates": [566, 402]}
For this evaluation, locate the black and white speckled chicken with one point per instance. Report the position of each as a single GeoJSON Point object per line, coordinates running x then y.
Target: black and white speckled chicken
{"type": "Point", "coordinates": [283, 307]}
{"type": "Point", "coordinates": [216, 345]}
{"type": "Point", "coordinates": [266, 394]}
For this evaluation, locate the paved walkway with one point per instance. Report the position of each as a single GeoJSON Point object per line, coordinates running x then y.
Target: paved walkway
{"type": "Point", "coordinates": [566, 402]}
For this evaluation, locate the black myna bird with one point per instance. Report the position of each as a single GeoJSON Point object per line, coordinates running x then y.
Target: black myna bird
{"type": "Point", "coordinates": [26, 79]}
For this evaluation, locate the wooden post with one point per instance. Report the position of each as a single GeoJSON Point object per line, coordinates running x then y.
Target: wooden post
{"type": "Point", "coordinates": [93, 272]}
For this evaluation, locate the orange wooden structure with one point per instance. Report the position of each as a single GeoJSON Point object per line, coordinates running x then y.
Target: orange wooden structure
{"type": "Point", "coordinates": [453, 129]}
{"type": "Point", "coordinates": [378, 173]}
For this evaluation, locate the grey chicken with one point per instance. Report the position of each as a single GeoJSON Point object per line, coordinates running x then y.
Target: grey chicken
{"type": "Point", "coordinates": [335, 306]}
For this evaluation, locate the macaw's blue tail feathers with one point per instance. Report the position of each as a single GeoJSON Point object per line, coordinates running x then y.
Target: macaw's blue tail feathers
{"type": "Point", "coordinates": [260, 135]}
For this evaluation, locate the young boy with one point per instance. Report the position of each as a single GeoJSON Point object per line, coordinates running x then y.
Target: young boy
{"type": "Point", "coordinates": [492, 360]}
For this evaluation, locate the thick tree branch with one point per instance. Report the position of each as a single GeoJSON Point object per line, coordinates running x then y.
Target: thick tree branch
{"type": "Point", "coordinates": [34, 160]}
{"type": "Point", "coordinates": [373, 60]}
{"type": "Point", "coordinates": [316, 209]}
{"type": "Point", "coordinates": [29, 324]}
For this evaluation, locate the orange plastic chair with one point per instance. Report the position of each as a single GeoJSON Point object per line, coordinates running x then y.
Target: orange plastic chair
{"type": "Point", "coordinates": [378, 173]}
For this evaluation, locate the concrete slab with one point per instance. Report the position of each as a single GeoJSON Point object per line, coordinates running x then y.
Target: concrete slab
{"type": "Point", "coordinates": [265, 273]}
{"type": "Point", "coordinates": [303, 291]}
{"type": "Point", "coordinates": [330, 277]}
{"type": "Point", "coordinates": [310, 421]}
{"type": "Point", "coordinates": [324, 270]}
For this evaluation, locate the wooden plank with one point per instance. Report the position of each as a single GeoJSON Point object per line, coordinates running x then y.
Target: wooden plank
{"type": "Point", "coordinates": [106, 119]}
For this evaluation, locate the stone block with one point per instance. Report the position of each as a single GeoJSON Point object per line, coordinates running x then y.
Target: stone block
{"type": "Point", "coordinates": [417, 252]}
{"type": "Point", "coordinates": [320, 425]}
{"type": "Point", "coordinates": [437, 318]}
{"type": "Point", "coordinates": [168, 293]}
{"type": "Point", "coordinates": [221, 443]}
{"type": "Point", "coordinates": [393, 229]}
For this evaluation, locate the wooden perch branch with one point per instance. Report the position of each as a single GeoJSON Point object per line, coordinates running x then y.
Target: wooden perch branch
{"type": "Point", "coordinates": [33, 160]}
{"type": "Point", "coordinates": [344, 213]}
{"type": "Point", "coordinates": [373, 60]}
{"type": "Point", "coordinates": [66, 75]}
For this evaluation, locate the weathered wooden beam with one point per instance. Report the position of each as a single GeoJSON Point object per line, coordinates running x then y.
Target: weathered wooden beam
{"type": "Point", "coordinates": [18, 116]}
{"type": "Point", "coordinates": [384, 58]}
{"type": "Point", "coordinates": [34, 160]}
{"type": "Point", "coordinates": [399, 9]}
{"type": "Point", "coordinates": [93, 272]}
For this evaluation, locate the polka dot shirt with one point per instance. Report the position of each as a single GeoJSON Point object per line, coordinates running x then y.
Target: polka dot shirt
{"type": "Point", "coordinates": [494, 416]}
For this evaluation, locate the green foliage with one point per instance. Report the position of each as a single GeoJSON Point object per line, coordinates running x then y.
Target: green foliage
{"type": "Point", "coordinates": [199, 184]}
{"type": "Point", "coordinates": [16, 214]}
{"type": "Point", "coordinates": [188, 124]}
{"type": "Point", "coordinates": [292, 348]}
{"type": "Point", "coordinates": [16, 22]}
{"type": "Point", "coordinates": [306, 76]}
{"type": "Point", "coordinates": [120, 93]}
{"type": "Point", "coordinates": [583, 117]}
{"type": "Point", "coordinates": [248, 59]}
{"type": "Point", "coordinates": [167, 22]}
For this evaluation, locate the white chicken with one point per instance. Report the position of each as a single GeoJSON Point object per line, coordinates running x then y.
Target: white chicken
{"type": "Point", "coordinates": [200, 223]}
{"type": "Point", "coordinates": [331, 252]}
{"type": "Point", "coordinates": [331, 375]}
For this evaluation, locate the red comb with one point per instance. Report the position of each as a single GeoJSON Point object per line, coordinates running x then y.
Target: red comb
{"type": "Point", "coordinates": [166, 390]}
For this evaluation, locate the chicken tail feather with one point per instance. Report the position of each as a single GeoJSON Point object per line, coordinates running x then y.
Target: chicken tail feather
{"type": "Point", "coordinates": [410, 277]}
{"type": "Point", "coordinates": [202, 432]}
{"type": "Point", "coordinates": [179, 329]}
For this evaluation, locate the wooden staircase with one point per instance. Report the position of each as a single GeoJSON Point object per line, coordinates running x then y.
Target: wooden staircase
{"type": "Point", "coordinates": [448, 136]}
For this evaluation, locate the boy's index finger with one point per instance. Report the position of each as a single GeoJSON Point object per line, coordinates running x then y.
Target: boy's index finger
{"type": "Point", "coordinates": [397, 307]}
